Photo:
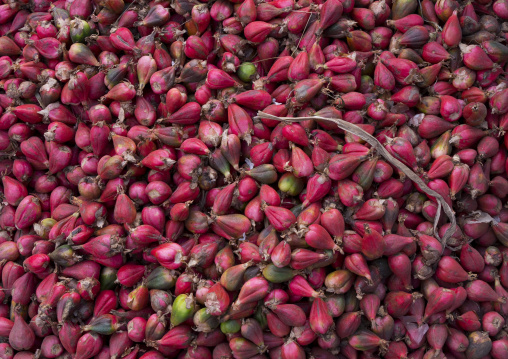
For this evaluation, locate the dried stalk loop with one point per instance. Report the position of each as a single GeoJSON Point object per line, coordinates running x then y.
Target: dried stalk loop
{"type": "Point", "coordinates": [357, 131]}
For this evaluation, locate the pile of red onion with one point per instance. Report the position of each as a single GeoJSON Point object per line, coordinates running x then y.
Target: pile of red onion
{"type": "Point", "coordinates": [156, 204]}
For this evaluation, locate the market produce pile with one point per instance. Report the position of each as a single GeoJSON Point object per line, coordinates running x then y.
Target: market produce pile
{"type": "Point", "coordinates": [158, 200]}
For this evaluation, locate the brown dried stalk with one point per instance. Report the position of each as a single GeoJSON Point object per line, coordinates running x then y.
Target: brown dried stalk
{"type": "Point", "coordinates": [357, 131]}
